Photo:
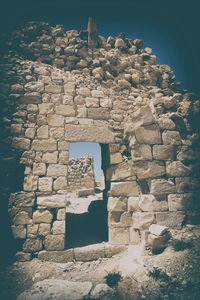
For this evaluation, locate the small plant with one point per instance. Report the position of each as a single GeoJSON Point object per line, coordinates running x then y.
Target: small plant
{"type": "Point", "coordinates": [112, 279]}
{"type": "Point", "coordinates": [179, 245]}
{"type": "Point", "coordinates": [159, 274]}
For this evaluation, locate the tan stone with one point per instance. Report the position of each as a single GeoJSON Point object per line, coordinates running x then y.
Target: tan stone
{"type": "Point", "coordinates": [149, 203]}
{"type": "Point", "coordinates": [186, 184]}
{"type": "Point", "coordinates": [46, 145]}
{"type": "Point", "coordinates": [54, 201]}
{"type": "Point", "coordinates": [67, 99]}
{"type": "Point", "coordinates": [21, 256]}
{"type": "Point", "coordinates": [92, 102]}
{"type": "Point", "coordinates": [126, 219]}
{"type": "Point", "coordinates": [162, 186]}
{"type": "Point", "coordinates": [54, 242]}
{"type": "Point", "coordinates": [119, 236]}
{"type": "Point", "coordinates": [55, 170]}
{"type": "Point", "coordinates": [81, 133]}
{"type": "Point", "coordinates": [130, 188]}
{"type": "Point", "coordinates": [106, 102]}
{"type": "Point", "coordinates": [100, 113]}
{"type": "Point", "coordinates": [120, 171]}
{"type": "Point", "coordinates": [32, 229]}
{"type": "Point", "coordinates": [32, 98]}
{"type": "Point", "coordinates": [21, 143]}
{"type": "Point", "coordinates": [97, 93]}
{"type": "Point", "coordinates": [163, 152]}
{"type": "Point", "coordinates": [157, 243]}
{"type": "Point", "coordinates": [81, 112]}
{"type": "Point", "coordinates": [69, 88]}
{"type": "Point", "coordinates": [44, 229]}
{"type": "Point", "coordinates": [30, 183]}
{"type": "Point", "coordinates": [171, 138]}
{"type": "Point", "coordinates": [64, 157]}
{"type": "Point", "coordinates": [83, 91]}
{"type": "Point", "coordinates": [180, 202]}
{"type": "Point", "coordinates": [43, 132]}
{"type": "Point", "coordinates": [55, 120]}
{"type": "Point", "coordinates": [65, 110]}
{"type": "Point", "coordinates": [147, 169]}
{"type": "Point", "coordinates": [135, 237]}
{"type": "Point", "coordinates": [148, 134]}
{"type": "Point", "coordinates": [63, 256]}
{"type": "Point", "coordinates": [22, 199]}
{"type": "Point", "coordinates": [54, 89]}
{"type": "Point", "coordinates": [32, 245]}
{"type": "Point", "coordinates": [158, 229]}
{"type": "Point", "coordinates": [46, 108]}
{"type": "Point", "coordinates": [115, 158]}
{"type": "Point", "coordinates": [111, 250]}
{"type": "Point", "coordinates": [42, 216]}
{"type": "Point", "coordinates": [177, 169]}
{"type": "Point", "coordinates": [30, 133]}
{"type": "Point", "coordinates": [89, 253]}
{"type": "Point", "coordinates": [39, 169]}
{"type": "Point", "coordinates": [61, 214]}
{"type": "Point", "coordinates": [60, 184]}
{"type": "Point", "coordinates": [170, 219]}
{"type": "Point", "coordinates": [62, 145]}
{"type": "Point", "coordinates": [166, 123]}
{"type": "Point", "coordinates": [141, 152]}
{"type": "Point", "coordinates": [19, 232]}
{"type": "Point", "coordinates": [45, 184]}
{"type": "Point", "coordinates": [142, 220]}
{"type": "Point", "coordinates": [56, 133]}
{"type": "Point", "coordinates": [133, 203]}
{"type": "Point", "coordinates": [58, 227]}
{"type": "Point", "coordinates": [50, 157]}
{"type": "Point", "coordinates": [116, 204]}
{"type": "Point", "coordinates": [34, 86]}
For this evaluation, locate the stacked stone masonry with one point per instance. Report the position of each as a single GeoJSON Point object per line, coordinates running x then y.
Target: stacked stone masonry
{"type": "Point", "coordinates": [56, 90]}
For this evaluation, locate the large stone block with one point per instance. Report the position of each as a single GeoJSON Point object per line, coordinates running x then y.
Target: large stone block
{"type": "Point", "coordinates": [148, 134]}
{"type": "Point", "coordinates": [19, 232]}
{"type": "Point", "coordinates": [180, 201]}
{"type": "Point", "coordinates": [54, 242]}
{"type": "Point", "coordinates": [44, 145]}
{"type": "Point", "coordinates": [45, 184]}
{"type": "Point", "coordinates": [115, 158]}
{"type": "Point", "coordinates": [117, 204]}
{"type": "Point", "coordinates": [141, 152]}
{"type": "Point", "coordinates": [42, 216]}
{"type": "Point", "coordinates": [171, 138]}
{"type": "Point", "coordinates": [54, 89]}
{"type": "Point", "coordinates": [142, 220]}
{"type": "Point", "coordinates": [163, 152]}
{"type": "Point", "coordinates": [32, 245]}
{"type": "Point", "coordinates": [54, 201]}
{"type": "Point", "coordinates": [55, 170]}
{"type": "Point", "coordinates": [170, 219]}
{"type": "Point", "coordinates": [128, 188]}
{"type": "Point", "coordinates": [100, 113]}
{"type": "Point", "coordinates": [81, 133]}
{"type": "Point", "coordinates": [177, 169]}
{"type": "Point", "coordinates": [22, 199]}
{"type": "Point", "coordinates": [46, 108]}
{"type": "Point", "coordinates": [89, 253]}
{"type": "Point", "coordinates": [58, 227]}
{"type": "Point", "coordinates": [149, 203]}
{"type": "Point", "coordinates": [57, 256]}
{"type": "Point", "coordinates": [187, 184]}
{"type": "Point", "coordinates": [133, 204]}
{"type": "Point", "coordinates": [44, 229]}
{"type": "Point", "coordinates": [158, 243]}
{"type": "Point", "coordinates": [60, 184]}
{"type": "Point", "coordinates": [148, 169]}
{"type": "Point", "coordinates": [56, 133]}
{"type": "Point", "coordinates": [162, 186]}
{"type": "Point", "coordinates": [39, 169]}
{"type": "Point", "coordinates": [21, 143]}
{"type": "Point", "coordinates": [30, 98]}
{"type": "Point", "coordinates": [121, 171]}
{"type": "Point", "coordinates": [158, 230]}
{"type": "Point", "coordinates": [43, 132]}
{"type": "Point", "coordinates": [30, 183]}
{"type": "Point", "coordinates": [55, 120]}
{"type": "Point", "coordinates": [50, 157]}
{"type": "Point", "coordinates": [65, 110]}
{"type": "Point", "coordinates": [92, 102]}
{"type": "Point", "coordinates": [22, 218]}
{"type": "Point", "coordinates": [135, 237]}
{"type": "Point", "coordinates": [61, 214]}
{"type": "Point", "coordinates": [111, 250]}
{"type": "Point", "coordinates": [119, 236]}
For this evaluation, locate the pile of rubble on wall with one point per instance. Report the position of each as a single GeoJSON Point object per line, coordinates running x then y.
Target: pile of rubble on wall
{"type": "Point", "coordinates": [56, 89]}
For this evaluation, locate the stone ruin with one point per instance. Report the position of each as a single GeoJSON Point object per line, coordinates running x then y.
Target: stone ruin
{"type": "Point", "coordinates": [63, 87]}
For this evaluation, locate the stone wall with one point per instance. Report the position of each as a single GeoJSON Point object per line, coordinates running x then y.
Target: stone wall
{"type": "Point", "coordinates": [56, 90]}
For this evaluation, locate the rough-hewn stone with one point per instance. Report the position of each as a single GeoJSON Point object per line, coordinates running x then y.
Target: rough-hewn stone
{"type": "Point", "coordinates": [54, 242]}
{"type": "Point", "coordinates": [129, 188]}
{"type": "Point", "coordinates": [148, 134]}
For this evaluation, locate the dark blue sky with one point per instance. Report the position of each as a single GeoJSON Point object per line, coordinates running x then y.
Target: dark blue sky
{"type": "Point", "coordinates": [170, 28]}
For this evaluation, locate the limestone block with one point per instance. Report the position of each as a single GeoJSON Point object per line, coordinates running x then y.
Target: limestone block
{"type": "Point", "coordinates": [57, 256]}
{"type": "Point", "coordinates": [16, 129]}
{"type": "Point", "coordinates": [186, 184]}
{"type": "Point", "coordinates": [55, 170]}
{"type": "Point", "coordinates": [69, 88]}
{"type": "Point", "coordinates": [53, 89]}
{"type": "Point", "coordinates": [22, 218]}
{"type": "Point", "coordinates": [166, 123]}
{"type": "Point", "coordinates": [117, 204]}
{"type": "Point", "coordinates": [39, 169]}
{"type": "Point", "coordinates": [170, 219]}
{"type": "Point", "coordinates": [21, 256]}
{"type": "Point", "coordinates": [158, 230]}
{"type": "Point", "coordinates": [177, 168]}
{"type": "Point", "coordinates": [34, 86]}
{"type": "Point", "coordinates": [46, 108]}
{"type": "Point", "coordinates": [186, 153]}
{"type": "Point", "coordinates": [42, 216]}
{"type": "Point", "coordinates": [118, 172]}
{"type": "Point", "coordinates": [162, 186]}
{"type": "Point", "coordinates": [141, 152]}
{"type": "Point", "coordinates": [58, 227]}
{"type": "Point", "coordinates": [55, 120]}
{"type": "Point", "coordinates": [111, 250]}
{"type": "Point", "coordinates": [60, 184]}
{"type": "Point", "coordinates": [83, 91]}
{"type": "Point", "coordinates": [163, 152]}
{"type": "Point", "coordinates": [81, 112]}
{"type": "Point", "coordinates": [30, 98]}
{"type": "Point", "coordinates": [19, 232]}
{"type": "Point", "coordinates": [133, 203]}
{"type": "Point", "coordinates": [56, 133]}
{"type": "Point", "coordinates": [54, 201]}
{"type": "Point", "coordinates": [157, 243]}
{"type": "Point", "coordinates": [67, 99]}
{"type": "Point", "coordinates": [44, 229]}
{"type": "Point", "coordinates": [44, 145]}
{"type": "Point", "coordinates": [61, 214]}
{"type": "Point", "coordinates": [102, 291]}
{"type": "Point", "coordinates": [119, 236]}
{"type": "Point", "coordinates": [62, 145]}
{"type": "Point", "coordinates": [50, 157]}
{"type": "Point", "coordinates": [142, 220]}
{"type": "Point", "coordinates": [41, 120]}
{"type": "Point", "coordinates": [123, 84]}
{"type": "Point", "coordinates": [126, 219]}
{"type": "Point", "coordinates": [63, 157]}
{"type": "Point", "coordinates": [30, 183]}
{"type": "Point", "coordinates": [30, 133]}
{"type": "Point", "coordinates": [113, 147]}
{"type": "Point", "coordinates": [98, 73]}
{"type": "Point", "coordinates": [89, 253]}
{"type": "Point", "coordinates": [171, 138]}
{"type": "Point", "coordinates": [65, 110]}
{"type": "Point", "coordinates": [115, 158]}
{"type": "Point", "coordinates": [180, 201]}
{"type": "Point", "coordinates": [81, 133]}
{"type": "Point", "coordinates": [22, 199]}
{"type": "Point", "coordinates": [92, 102]}
{"type": "Point", "coordinates": [100, 113]}
{"type": "Point", "coordinates": [148, 134]}
{"type": "Point", "coordinates": [21, 143]}
{"type": "Point", "coordinates": [130, 188]}
{"type": "Point", "coordinates": [147, 169]}
{"type": "Point", "coordinates": [32, 229]}
{"type": "Point", "coordinates": [54, 242]}
{"type": "Point", "coordinates": [135, 237]}
{"type": "Point", "coordinates": [32, 245]}
{"type": "Point", "coordinates": [149, 203]}
{"type": "Point", "coordinates": [45, 184]}
{"type": "Point", "coordinates": [106, 102]}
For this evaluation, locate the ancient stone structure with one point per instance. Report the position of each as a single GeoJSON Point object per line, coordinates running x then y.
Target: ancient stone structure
{"type": "Point", "coordinates": [56, 90]}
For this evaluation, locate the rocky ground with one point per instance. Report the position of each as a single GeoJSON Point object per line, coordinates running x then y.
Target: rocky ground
{"type": "Point", "coordinates": [172, 274]}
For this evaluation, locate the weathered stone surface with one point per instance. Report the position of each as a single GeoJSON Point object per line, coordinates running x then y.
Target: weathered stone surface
{"type": "Point", "coordinates": [128, 188]}
{"type": "Point", "coordinates": [83, 91]}
{"type": "Point", "coordinates": [53, 201]}
{"type": "Point", "coordinates": [149, 203]}
{"type": "Point", "coordinates": [21, 143]}
{"type": "Point", "coordinates": [141, 152]}
{"type": "Point", "coordinates": [147, 169]}
{"type": "Point", "coordinates": [119, 236]}
{"type": "Point", "coordinates": [102, 291]}
{"type": "Point", "coordinates": [58, 227]}
{"type": "Point", "coordinates": [42, 216]}
{"type": "Point", "coordinates": [30, 98]}
{"type": "Point", "coordinates": [55, 170]}
{"type": "Point", "coordinates": [55, 120]}
{"type": "Point", "coordinates": [45, 184]}
{"type": "Point", "coordinates": [54, 242]}
{"type": "Point", "coordinates": [50, 157]}
{"type": "Point", "coordinates": [142, 220]}
{"type": "Point", "coordinates": [96, 134]}
{"type": "Point", "coordinates": [171, 138]}
{"type": "Point", "coordinates": [54, 89]}
{"type": "Point", "coordinates": [170, 219]}
{"type": "Point", "coordinates": [61, 214]}
{"type": "Point", "coordinates": [30, 183]}
{"type": "Point", "coordinates": [121, 171]}
{"type": "Point", "coordinates": [126, 219]}
{"type": "Point", "coordinates": [158, 243]}
{"type": "Point", "coordinates": [32, 229]}
{"type": "Point", "coordinates": [100, 113]}
{"type": "Point", "coordinates": [111, 250]}
{"type": "Point", "coordinates": [44, 145]}
{"type": "Point", "coordinates": [163, 152]}
{"type": "Point", "coordinates": [56, 133]}
{"type": "Point", "coordinates": [116, 204]}
{"type": "Point", "coordinates": [88, 253]}
{"type": "Point", "coordinates": [92, 102]}
{"type": "Point", "coordinates": [162, 186]}
{"type": "Point", "coordinates": [43, 132]}
{"type": "Point", "coordinates": [64, 157]}
{"type": "Point", "coordinates": [22, 218]}
{"type": "Point", "coordinates": [22, 256]}
{"type": "Point", "coordinates": [133, 203]}
{"type": "Point", "coordinates": [32, 245]}
{"type": "Point", "coordinates": [65, 110]}
{"type": "Point", "coordinates": [57, 256]}
{"type": "Point", "coordinates": [44, 229]}
{"type": "Point", "coordinates": [57, 289]}
{"type": "Point", "coordinates": [180, 201]}
{"type": "Point", "coordinates": [22, 199]}
{"type": "Point", "coordinates": [177, 168]}
{"type": "Point", "coordinates": [186, 184]}
{"type": "Point", "coordinates": [39, 169]}
{"type": "Point", "coordinates": [19, 232]}
{"type": "Point", "coordinates": [46, 108]}
{"type": "Point", "coordinates": [60, 183]}
{"type": "Point", "coordinates": [158, 230]}
{"type": "Point", "coordinates": [166, 123]}
{"type": "Point", "coordinates": [135, 237]}
{"type": "Point", "coordinates": [148, 134]}
{"type": "Point", "coordinates": [115, 158]}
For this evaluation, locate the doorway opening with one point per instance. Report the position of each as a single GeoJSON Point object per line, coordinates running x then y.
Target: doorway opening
{"type": "Point", "coordinates": [86, 212]}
